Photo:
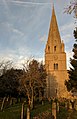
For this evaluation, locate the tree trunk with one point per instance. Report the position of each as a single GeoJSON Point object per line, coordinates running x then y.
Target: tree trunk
{"type": "Point", "coordinates": [3, 103]}
{"type": "Point", "coordinates": [32, 100]}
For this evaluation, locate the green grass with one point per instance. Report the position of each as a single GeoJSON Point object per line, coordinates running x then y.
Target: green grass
{"type": "Point", "coordinates": [63, 114]}
{"type": "Point", "coordinates": [73, 115]}
{"type": "Point", "coordinates": [39, 109]}
{"type": "Point", "coordinates": [11, 112]}
{"type": "Point", "coordinates": [14, 112]}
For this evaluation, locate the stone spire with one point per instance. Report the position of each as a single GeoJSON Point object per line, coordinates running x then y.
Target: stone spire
{"type": "Point", "coordinates": [54, 34]}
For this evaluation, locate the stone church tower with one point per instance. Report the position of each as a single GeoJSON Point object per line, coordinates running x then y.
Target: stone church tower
{"type": "Point", "coordinates": [55, 61]}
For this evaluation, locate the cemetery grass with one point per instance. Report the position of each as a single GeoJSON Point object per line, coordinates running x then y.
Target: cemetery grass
{"type": "Point", "coordinates": [39, 109]}
{"type": "Point", "coordinates": [14, 112]}
{"type": "Point", "coordinates": [63, 113]}
{"type": "Point", "coordinates": [73, 115]}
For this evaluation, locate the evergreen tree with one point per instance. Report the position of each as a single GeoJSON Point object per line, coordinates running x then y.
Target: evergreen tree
{"type": "Point", "coordinates": [71, 84]}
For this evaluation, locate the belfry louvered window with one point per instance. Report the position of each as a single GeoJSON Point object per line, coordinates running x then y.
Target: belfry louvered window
{"type": "Point", "coordinates": [54, 48]}
{"type": "Point", "coordinates": [56, 66]}
{"type": "Point", "coordinates": [48, 48]}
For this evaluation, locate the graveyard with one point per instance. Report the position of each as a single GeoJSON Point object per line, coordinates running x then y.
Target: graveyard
{"type": "Point", "coordinates": [57, 109]}
{"type": "Point", "coordinates": [31, 88]}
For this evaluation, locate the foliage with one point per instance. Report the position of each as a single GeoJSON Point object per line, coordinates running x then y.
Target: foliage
{"type": "Point", "coordinates": [4, 66]}
{"type": "Point", "coordinates": [75, 34]}
{"type": "Point", "coordinates": [72, 8]}
{"type": "Point", "coordinates": [72, 82]}
{"type": "Point", "coordinates": [9, 82]}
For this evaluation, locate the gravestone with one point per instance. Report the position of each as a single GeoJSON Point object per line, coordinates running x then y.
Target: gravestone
{"type": "Point", "coordinates": [66, 104]}
{"type": "Point", "coordinates": [57, 106]}
{"type": "Point", "coordinates": [28, 113]}
{"type": "Point", "coordinates": [70, 105]}
{"type": "Point", "coordinates": [22, 111]}
{"type": "Point", "coordinates": [3, 103]}
{"type": "Point", "coordinates": [73, 103]}
{"type": "Point", "coordinates": [75, 106]}
{"type": "Point", "coordinates": [54, 109]}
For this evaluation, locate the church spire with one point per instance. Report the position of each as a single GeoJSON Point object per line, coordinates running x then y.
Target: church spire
{"type": "Point", "coordinates": [54, 31]}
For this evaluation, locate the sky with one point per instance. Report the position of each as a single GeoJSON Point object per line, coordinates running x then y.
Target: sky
{"type": "Point", "coordinates": [24, 27]}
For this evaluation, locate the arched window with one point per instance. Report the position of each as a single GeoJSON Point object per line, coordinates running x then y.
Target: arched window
{"type": "Point", "coordinates": [54, 48]}
{"type": "Point", "coordinates": [48, 48]}
{"type": "Point", "coordinates": [56, 66]}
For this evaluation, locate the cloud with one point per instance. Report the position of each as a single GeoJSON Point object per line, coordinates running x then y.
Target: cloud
{"type": "Point", "coordinates": [17, 31]}
{"type": "Point", "coordinates": [67, 27]}
{"type": "Point", "coordinates": [69, 55]}
{"type": "Point", "coordinates": [43, 38]}
{"type": "Point", "coordinates": [23, 3]}
{"type": "Point", "coordinates": [66, 38]}
{"type": "Point", "coordinates": [10, 28]}
{"type": "Point", "coordinates": [18, 2]}
{"type": "Point", "coordinates": [18, 60]}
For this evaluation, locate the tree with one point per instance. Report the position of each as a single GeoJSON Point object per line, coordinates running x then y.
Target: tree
{"type": "Point", "coordinates": [33, 81]}
{"type": "Point", "coordinates": [71, 84]}
{"type": "Point", "coordinates": [72, 8]}
{"type": "Point", "coordinates": [9, 82]}
{"type": "Point", "coordinates": [4, 66]}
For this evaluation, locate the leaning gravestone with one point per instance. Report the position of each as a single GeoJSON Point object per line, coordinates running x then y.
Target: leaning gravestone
{"type": "Point", "coordinates": [75, 106]}
{"type": "Point", "coordinates": [54, 109]}
{"type": "Point", "coordinates": [3, 103]}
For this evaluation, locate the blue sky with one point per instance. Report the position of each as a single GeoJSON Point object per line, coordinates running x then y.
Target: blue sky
{"type": "Point", "coordinates": [24, 26]}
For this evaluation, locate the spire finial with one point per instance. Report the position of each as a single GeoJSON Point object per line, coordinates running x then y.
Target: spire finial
{"type": "Point", "coordinates": [51, 1]}
{"type": "Point", "coordinates": [53, 10]}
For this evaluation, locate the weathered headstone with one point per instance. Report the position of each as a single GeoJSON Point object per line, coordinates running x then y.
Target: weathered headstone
{"type": "Point", "coordinates": [3, 103]}
{"type": "Point", "coordinates": [73, 103]}
{"type": "Point", "coordinates": [66, 104]}
{"type": "Point", "coordinates": [70, 105]}
{"type": "Point", "coordinates": [54, 109]}
{"type": "Point", "coordinates": [75, 106]}
{"type": "Point", "coordinates": [28, 113]}
{"type": "Point", "coordinates": [22, 111]}
{"type": "Point", "coordinates": [57, 106]}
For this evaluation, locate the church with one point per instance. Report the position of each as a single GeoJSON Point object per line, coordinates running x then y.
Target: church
{"type": "Point", "coordinates": [55, 61]}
